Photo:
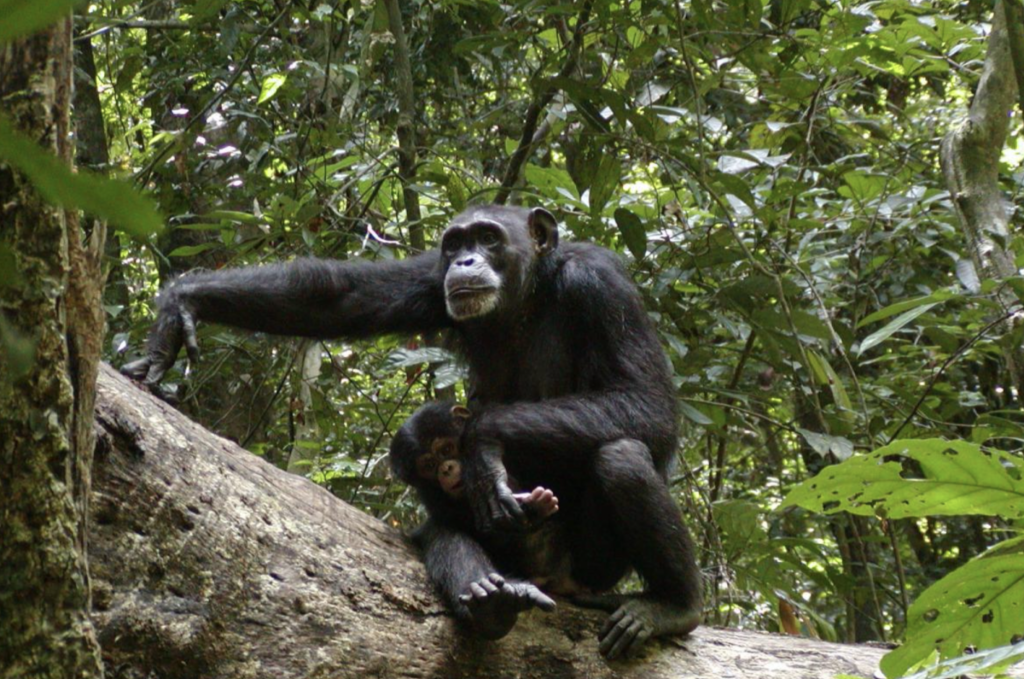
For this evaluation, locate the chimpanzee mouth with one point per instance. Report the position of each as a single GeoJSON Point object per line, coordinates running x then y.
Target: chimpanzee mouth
{"type": "Point", "coordinates": [469, 291]}
{"type": "Point", "coordinates": [465, 302]}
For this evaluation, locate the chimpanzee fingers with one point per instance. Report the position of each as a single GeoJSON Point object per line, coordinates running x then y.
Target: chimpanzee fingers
{"type": "Point", "coordinates": [526, 595]}
{"type": "Point", "coordinates": [508, 512]}
{"type": "Point", "coordinates": [611, 623]}
{"type": "Point", "coordinates": [188, 326]}
{"type": "Point", "coordinates": [622, 638]}
{"type": "Point", "coordinates": [541, 600]}
{"type": "Point", "coordinates": [639, 641]}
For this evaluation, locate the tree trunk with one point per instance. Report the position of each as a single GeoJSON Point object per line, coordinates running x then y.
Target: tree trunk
{"type": "Point", "coordinates": [45, 449]}
{"type": "Point", "coordinates": [970, 162]}
{"type": "Point", "coordinates": [209, 562]}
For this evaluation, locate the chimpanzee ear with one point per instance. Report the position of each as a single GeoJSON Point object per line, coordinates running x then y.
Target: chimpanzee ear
{"type": "Point", "coordinates": [543, 230]}
{"type": "Point", "coordinates": [460, 414]}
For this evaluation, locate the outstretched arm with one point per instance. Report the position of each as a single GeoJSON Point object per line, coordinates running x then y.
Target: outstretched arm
{"type": "Point", "coordinates": [306, 297]}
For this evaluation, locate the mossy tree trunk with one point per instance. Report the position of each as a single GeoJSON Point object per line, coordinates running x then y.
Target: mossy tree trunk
{"type": "Point", "coordinates": [46, 434]}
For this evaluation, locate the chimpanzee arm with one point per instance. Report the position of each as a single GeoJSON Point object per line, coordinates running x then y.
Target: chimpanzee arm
{"type": "Point", "coordinates": [307, 297]}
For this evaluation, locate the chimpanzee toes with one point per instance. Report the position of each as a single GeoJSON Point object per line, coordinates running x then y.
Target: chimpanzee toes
{"type": "Point", "coordinates": [493, 604]}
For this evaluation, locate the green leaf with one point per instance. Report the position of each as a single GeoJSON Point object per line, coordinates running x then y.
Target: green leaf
{"type": "Point", "coordinates": [891, 327]}
{"type": "Point", "coordinates": [992, 661]}
{"type": "Point", "coordinates": [694, 415]}
{"type": "Point", "coordinates": [899, 307]}
{"type": "Point", "coordinates": [605, 181]}
{"type": "Point", "coordinates": [959, 479]}
{"type": "Point", "coordinates": [633, 233]}
{"type": "Point", "coordinates": [190, 250]}
{"type": "Point", "coordinates": [271, 84]}
{"type": "Point", "coordinates": [976, 606]}
{"type": "Point", "coordinates": [862, 187]}
{"type": "Point", "coordinates": [21, 17]}
{"type": "Point", "coordinates": [105, 198]}
{"type": "Point", "coordinates": [549, 180]}
{"type": "Point", "coordinates": [823, 444]}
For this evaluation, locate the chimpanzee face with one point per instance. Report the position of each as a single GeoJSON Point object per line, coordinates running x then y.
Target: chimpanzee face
{"type": "Point", "coordinates": [488, 254]}
{"type": "Point", "coordinates": [441, 465]}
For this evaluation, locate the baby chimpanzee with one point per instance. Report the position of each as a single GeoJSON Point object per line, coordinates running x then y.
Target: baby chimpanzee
{"type": "Point", "coordinates": [425, 454]}
{"type": "Point", "coordinates": [426, 449]}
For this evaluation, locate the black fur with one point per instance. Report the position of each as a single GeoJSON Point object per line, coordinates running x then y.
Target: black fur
{"type": "Point", "coordinates": [537, 553]}
{"type": "Point", "coordinates": [568, 383]}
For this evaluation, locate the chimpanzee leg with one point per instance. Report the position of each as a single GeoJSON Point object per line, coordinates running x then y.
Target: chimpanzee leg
{"type": "Point", "coordinates": [480, 597]}
{"type": "Point", "coordinates": [648, 528]}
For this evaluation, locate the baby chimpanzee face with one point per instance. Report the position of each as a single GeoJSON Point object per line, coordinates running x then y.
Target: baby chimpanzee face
{"type": "Point", "coordinates": [441, 464]}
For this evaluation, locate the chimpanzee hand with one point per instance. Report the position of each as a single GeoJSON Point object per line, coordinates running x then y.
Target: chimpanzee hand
{"type": "Point", "coordinates": [635, 620]}
{"type": "Point", "coordinates": [493, 604]}
{"type": "Point", "coordinates": [175, 325]}
{"type": "Point", "coordinates": [494, 505]}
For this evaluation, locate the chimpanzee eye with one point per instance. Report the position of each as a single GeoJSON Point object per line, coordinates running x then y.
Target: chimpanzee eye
{"type": "Point", "coordinates": [489, 238]}
{"type": "Point", "coordinates": [452, 242]}
{"type": "Point", "coordinates": [426, 466]}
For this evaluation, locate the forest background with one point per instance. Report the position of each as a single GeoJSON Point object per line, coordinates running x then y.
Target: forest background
{"type": "Point", "coordinates": [830, 252]}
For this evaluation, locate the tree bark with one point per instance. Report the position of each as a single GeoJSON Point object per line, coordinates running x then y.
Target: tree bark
{"type": "Point", "coordinates": [970, 162]}
{"type": "Point", "coordinates": [45, 449]}
{"type": "Point", "coordinates": [406, 125]}
{"type": "Point", "coordinates": [209, 562]}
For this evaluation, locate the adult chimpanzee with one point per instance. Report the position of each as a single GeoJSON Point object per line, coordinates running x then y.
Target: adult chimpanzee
{"type": "Point", "coordinates": [568, 384]}
{"type": "Point", "coordinates": [425, 454]}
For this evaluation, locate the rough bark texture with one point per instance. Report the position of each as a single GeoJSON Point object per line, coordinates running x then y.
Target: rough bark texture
{"type": "Point", "coordinates": [970, 161]}
{"type": "Point", "coordinates": [406, 125]}
{"type": "Point", "coordinates": [209, 562]}
{"type": "Point", "coordinates": [44, 591]}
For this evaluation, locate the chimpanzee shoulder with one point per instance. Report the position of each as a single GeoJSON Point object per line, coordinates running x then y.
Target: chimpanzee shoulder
{"type": "Point", "coordinates": [591, 272]}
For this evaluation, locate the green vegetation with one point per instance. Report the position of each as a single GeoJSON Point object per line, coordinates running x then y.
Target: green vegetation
{"type": "Point", "coordinates": [848, 364]}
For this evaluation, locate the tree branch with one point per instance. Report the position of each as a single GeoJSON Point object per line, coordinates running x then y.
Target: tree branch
{"type": "Point", "coordinates": [209, 562]}
{"type": "Point", "coordinates": [970, 162]}
{"type": "Point", "coordinates": [406, 125]}
{"type": "Point", "coordinates": [529, 136]}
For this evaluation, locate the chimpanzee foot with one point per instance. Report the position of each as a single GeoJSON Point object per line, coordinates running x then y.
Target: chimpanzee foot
{"type": "Point", "coordinates": [538, 504]}
{"type": "Point", "coordinates": [494, 604]}
{"type": "Point", "coordinates": [635, 620]}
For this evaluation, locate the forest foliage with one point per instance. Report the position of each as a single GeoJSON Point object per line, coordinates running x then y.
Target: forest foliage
{"type": "Point", "coordinates": [851, 456]}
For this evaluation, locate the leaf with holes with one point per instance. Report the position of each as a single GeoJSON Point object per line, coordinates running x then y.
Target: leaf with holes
{"type": "Point", "coordinates": [980, 605]}
{"type": "Point", "coordinates": [959, 479]}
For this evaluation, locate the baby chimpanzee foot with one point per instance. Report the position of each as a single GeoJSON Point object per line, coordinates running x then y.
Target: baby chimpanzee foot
{"type": "Point", "coordinates": [494, 604]}
{"type": "Point", "coordinates": [635, 620]}
{"type": "Point", "coordinates": [538, 504]}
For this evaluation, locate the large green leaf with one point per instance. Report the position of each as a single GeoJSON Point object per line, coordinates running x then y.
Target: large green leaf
{"type": "Point", "coordinates": [892, 326]}
{"type": "Point", "coordinates": [974, 662]}
{"type": "Point", "coordinates": [21, 17]}
{"type": "Point", "coordinates": [980, 605]}
{"type": "Point", "coordinates": [105, 198]}
{"type": "Point", "coordinates": [959, 478]}
{"type": "Point", "coordinates": [632, 230]}
{"type": "Point", "coordinates": [906, 305]}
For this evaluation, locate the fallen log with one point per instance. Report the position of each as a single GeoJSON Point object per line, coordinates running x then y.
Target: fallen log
{"type": "Point", "coordinates": [209, 562]}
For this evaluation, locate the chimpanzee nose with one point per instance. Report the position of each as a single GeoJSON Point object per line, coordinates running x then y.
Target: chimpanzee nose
{"type": "Point", "coordinates": [447, 467]}
{"type": "Point", "coordinates": [465, 261]}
